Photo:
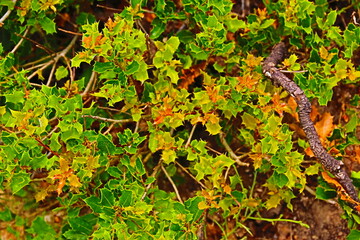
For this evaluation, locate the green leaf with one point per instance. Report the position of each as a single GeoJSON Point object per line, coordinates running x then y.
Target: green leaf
{"type": "Point", "coordinates": [107, 197]}
{"type": "Point", "coordinates": [172, 44]}
{"type": "Point", "coordinates": [61, 72]}
{"type": "Point", "coordinates": [158, 28]}
{"type": "Point", "coordinates": [102, 67]}
{"type": "Point", "coordinates": [83, 224]}
{"type": "Point", "coordinates": [15, 97]}
{"type": "Point", "coordinates": [324, 194]}
{"type": "Point", "coordinates": [280, 179]}
{"type": "Point", "coordinates": [18, 181]}
{"type": "Point", "coordinates": [9, 3]}
{"type": "Point", "coordinates": [6, 215]}
{"type": "Point", "coordinates": [132, 68]}
{"type": "Point", "coordinates": [192, 205]}
{"type": "Point", "coordinates": [354, 235]}
{"type": "Point", "coordinates": [142, 74]}
{"type": "Point", "coordinates": [267, 23]}
{"type": "Point", "coordinates": [331, 18]}
{"type": "Point", "coordinates": [94, 203]}
{"type": "Point", "coordinates": [105, 145]}
{"type": "Point", "coordinates": [213, 128]}
{"type": "Point", "coordinates": [41, 228]}
{"type": "Point", "coordinates": [48, 25]}
{"type": "Point", "coordinates": [125, 199]}
{"type": "Point", "coordinates": [249, 121]}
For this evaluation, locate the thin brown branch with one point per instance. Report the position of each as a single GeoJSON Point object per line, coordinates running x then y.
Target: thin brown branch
{"type": "Point", "coordinates": [20, 42]}
{"type": "Point", "coordinates": [231, 152]}
{"type": "Point", "coordinates": [46, 147]}
{"type": "Point", "coordinates": [6, 15]}
{"type": "Point", "coordinates": [190, 175]}
{"type": "Point", "coordinates": [156, 170]}
{"type": "Point", "coordinates": [190, 136]}
{"type": "Point", "coordinates": [61, 54]}
{"type": "Point", "coordinates": [70, 32]}
{"type": "Point", "coordinates": [38, 45]}
{"type": "Point", "coordinates": [172, 184]}
{"type": "Point", "coordinates": [91, 83]}
{"type": "Point", "coordinates": [108, 119]}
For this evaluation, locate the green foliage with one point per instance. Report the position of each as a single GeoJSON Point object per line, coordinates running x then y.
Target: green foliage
{"type": "Point", "coordinates": [144, 102]}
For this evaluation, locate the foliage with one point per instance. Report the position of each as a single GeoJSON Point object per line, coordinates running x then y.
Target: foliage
{"type": "Point", "coordinates": [146, 130]}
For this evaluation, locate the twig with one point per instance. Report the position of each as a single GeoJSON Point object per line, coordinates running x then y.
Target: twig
{"type": "Point", "coordinates": [50, 133]}
{"type": "Point", "coordinates": [61, 54]}
{"type": "Point", "coordinates": [190, 137]}
{"type": "Point", "coordinates": [172, 184]}
{"type": "Point", "coordinates": [39, 45]}
{"type": "Point", "coordinates": [6, 15]}
{"type": "Point", "coordinates": [109, 129]}
{"type": "Point", "coordinates": [287, 71]}
{"type": "Point", "coordinates": [231, 152]}
{"type": "Point", "coordinates": [70, 32]}
{"type": "Point", "coordinates": [312, 192]}
{"type": "Point", "coordinates": [37, 61]}
{"type": "Point", "coordinates": [156, 170]}
{"type": "Point", "coordinates": [190, 175]}
{"type": "Point", "coordinates": [213, 150]}
{"type": "Point", "coordinates": [332, 165]}
{"type": "Point", "coordinates": [46, 147]}
{"type": "Point", "coordinates": [108, 119]}
{"type": "Point", "coordinates": [20, 42]}
{"type": "Point", "coordinates": [108, 8]}
{"type": "Point", "coordinates": [91, 82]}
{"type": "Point", "coordinates": [51, 75]}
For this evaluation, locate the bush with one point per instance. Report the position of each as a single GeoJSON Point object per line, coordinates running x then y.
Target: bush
{"type": "Point", "coordinates": [163, 118]}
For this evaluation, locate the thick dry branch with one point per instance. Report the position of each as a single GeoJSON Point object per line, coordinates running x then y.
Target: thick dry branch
{"type": "Point", "coordinates": [332, 165]}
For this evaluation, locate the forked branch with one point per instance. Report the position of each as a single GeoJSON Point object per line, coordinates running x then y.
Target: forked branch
{"type": "Point", "coordinates": [332, 165]}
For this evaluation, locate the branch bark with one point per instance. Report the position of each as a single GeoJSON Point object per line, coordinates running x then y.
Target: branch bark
{"type": "Point", "coordinates": [332, 165]}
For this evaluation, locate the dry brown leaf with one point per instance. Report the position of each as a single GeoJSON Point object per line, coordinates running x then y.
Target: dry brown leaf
{"type": "Point", "coordinates": [314, 113]}
{"type": "Point", "coordinates": [189, 75]}
{"type": "Point", "coordinates": [325, 126]}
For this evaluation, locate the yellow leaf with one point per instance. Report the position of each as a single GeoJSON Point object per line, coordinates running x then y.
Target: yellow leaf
{"type": "Point", "coordinates": [253, 61]}
{"type": "Point", "coordinates": [353, 75]}
{"type": "Point", "coordinates": [202, 205]}
{"type": "Point", "coordinates": [273, 201]}
{"type": "Point", "coordinates": [41, 195]}
{"type": "Point", "coordinates": [74, 181]}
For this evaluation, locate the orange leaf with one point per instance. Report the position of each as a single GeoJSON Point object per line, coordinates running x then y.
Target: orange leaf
{"type": "Point", "coordinates": [325, 126]}
{"type": "Point", "coordinates": [159, 119]}
{"type": "Point", "coordinates": [309, 152]}
{"type": "Point", "coordinates": [60, 186]}
{"type": "Point", "coordinates": [314, 113]}
{"type": "Point", "coordinates": [330, 180]}
{"type": "Point", "coordinates": [87, 41]}
{"type": "Point", "coordinates": [227, 189]}
{"type": "Point", "coordinates": [293, 106]}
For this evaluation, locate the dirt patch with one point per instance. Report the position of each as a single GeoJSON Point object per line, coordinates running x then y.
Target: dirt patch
{"type": "Point", "coordinates": [323, 218]}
